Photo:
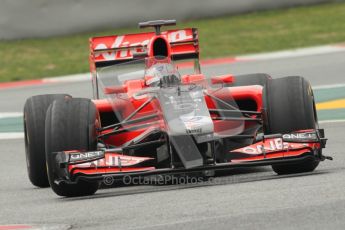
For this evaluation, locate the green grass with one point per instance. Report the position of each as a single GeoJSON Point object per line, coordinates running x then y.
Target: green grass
{"type": "Point", "coordinates": [224, 36]}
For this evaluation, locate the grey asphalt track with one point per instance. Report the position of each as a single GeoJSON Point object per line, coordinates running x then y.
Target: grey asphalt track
{"type": "Point", "coordinates": [243, 199]}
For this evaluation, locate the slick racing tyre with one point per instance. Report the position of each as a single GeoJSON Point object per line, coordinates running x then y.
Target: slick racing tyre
{"type": "Point", "coordinates": [70, 125]}
{"type": "Point", "coordinates": [290, 106]}
{"type": "Point", "coordinates": [34, 131]}
{"type": "Point", "coordinates": [251, 79]}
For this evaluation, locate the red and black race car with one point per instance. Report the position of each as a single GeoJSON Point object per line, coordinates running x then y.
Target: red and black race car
{"type": "Point", "coordinates": [147, 118]}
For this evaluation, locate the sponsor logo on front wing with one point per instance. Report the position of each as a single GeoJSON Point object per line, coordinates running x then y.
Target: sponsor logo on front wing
{"type": "Point", "coordinates": [114, 160]}
{"type": "Point", "coordinates": [83, 156]}
{"type": "Point", "coordinates": [300, 136]}
{"type": "Point", "coordinates": [269, 146]}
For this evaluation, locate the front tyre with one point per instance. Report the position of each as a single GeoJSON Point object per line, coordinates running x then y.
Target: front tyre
{"type": "Point", "coordinates": [35, 110]}
{"type": "Point", "coordinates": [70, 125]}
{"type": "Point", "coordinates": [290, 106]}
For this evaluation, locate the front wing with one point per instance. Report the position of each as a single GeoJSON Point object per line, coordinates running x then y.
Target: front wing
{"type": "Point", "coordinates": [71, 166]}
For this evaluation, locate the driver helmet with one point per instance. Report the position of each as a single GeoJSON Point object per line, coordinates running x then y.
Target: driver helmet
{"type": "Point", "coordinates": [162, 74]}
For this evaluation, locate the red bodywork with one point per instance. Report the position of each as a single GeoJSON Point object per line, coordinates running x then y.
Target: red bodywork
{"type": "Point", "coordinates": [179, 45]}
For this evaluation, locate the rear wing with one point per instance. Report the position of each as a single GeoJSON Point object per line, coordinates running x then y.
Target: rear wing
{"type": "Point", "coordinates": [111, 50]}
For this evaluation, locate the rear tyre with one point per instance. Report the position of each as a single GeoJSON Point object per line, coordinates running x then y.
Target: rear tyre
{"type": "Point", "coordinates": [290, 106]}
{"type": "Point", "coordinates": [251, 79]}
{"type": "Point", "coordinates": [70, 125]}
{"type": "Point", "coordinates": [35, 109]}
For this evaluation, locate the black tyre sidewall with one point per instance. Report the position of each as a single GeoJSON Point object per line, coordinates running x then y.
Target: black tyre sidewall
{"type": "Point", "coordinates": [35, 109]}
{"type": "Point", "coordinates": [70, 125]}
{"type": "Point", "coordinates": [289, 105]}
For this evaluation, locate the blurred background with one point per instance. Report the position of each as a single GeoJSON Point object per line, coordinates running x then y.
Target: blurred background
{"type": "Point", "coordinates": [46, 18]}
{"type": "Point", "coordinates": [45, 38]}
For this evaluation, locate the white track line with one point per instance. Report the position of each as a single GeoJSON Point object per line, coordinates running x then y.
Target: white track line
{"type": "Point", "coordinates": [331, 121]}
{"type": "Point", "coordinates": [333, 86]}
{"type": "Point", "coordinates": [10, 114]}
{"type": "Point", "coordinates": [294, 53]}
{"type": "Point", "coordinates": [13, 135]}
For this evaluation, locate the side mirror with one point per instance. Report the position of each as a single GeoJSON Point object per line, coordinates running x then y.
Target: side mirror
{"type": "Point", "coordinates": [148, 79]}
{"type": "Point", "coordinates": [223, 79]}
{"type": "Point", "coordinates": [115, 89]}
{"type": "Point", "coordinates": [192, 78]}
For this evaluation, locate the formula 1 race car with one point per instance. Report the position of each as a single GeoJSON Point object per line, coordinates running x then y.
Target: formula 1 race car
{"type": "Point", "coordinates": [149, 118]}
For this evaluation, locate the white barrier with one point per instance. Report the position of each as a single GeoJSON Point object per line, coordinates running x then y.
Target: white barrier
{"type": "Point", "coordinates": [44, 18]}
